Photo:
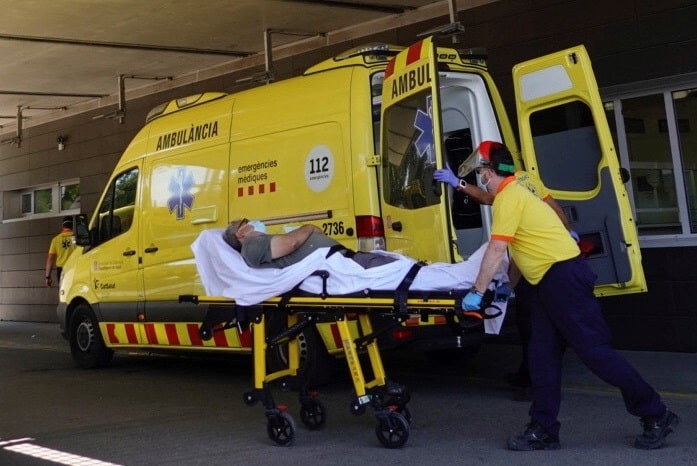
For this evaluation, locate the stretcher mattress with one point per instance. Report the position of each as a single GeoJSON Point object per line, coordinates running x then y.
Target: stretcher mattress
{"type": "Point", "coordinates": [224, 273]}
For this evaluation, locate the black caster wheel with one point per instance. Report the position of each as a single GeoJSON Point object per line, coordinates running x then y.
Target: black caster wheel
{"type": "Point", "coordinates": [404, 411]}
{"type": "Point", "coordinates": [356, 408]}
{"type": "Point", "coordinates": [313, 414]}
{"type": "Point", "coordinates": [249, 399]}
{"type": "Point", "coordinates": [392, 430]}
{"type": "Point", "coordinates": [281, 429]}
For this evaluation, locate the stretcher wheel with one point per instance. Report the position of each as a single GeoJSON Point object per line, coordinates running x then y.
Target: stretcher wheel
{"type": "Point", "coordinates": [404, 411]}
{"type": "Point", "coordinates": [392, 429]}
{"type": "Point", "coordinates": [281, 429]}
{"type": "Point", "coordinates": [313, 414]}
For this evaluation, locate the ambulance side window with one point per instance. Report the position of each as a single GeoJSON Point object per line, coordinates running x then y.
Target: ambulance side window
{"type": "Point", "coordinates": [116, 210]}
{"type": "Point", "coordinates": [408, 156]}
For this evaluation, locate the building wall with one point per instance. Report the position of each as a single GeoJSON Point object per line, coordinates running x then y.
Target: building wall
{"type": "Point", "coordinates": [628, 41]}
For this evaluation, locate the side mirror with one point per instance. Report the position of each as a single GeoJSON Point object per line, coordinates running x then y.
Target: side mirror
{"type": "Point", "coordinates": [80, 230]}
{"type": "Point", "coordinates": [624, 174]}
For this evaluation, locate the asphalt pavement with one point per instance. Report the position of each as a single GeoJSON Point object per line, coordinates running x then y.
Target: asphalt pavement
{"type": "Point", "coordinates": [150, 410]}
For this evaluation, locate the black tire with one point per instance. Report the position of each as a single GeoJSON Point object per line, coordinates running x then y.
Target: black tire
{"type": "Point", "coordinates": [313, 414]}
{"type": "Point", "coordinates": [282, 430]}
{"type": "Point", "coordinates": [86, 343]}
{"type": "Point", "coordinates": [317, 366]}
{"type": "Point", "coordinates": [392, 430]}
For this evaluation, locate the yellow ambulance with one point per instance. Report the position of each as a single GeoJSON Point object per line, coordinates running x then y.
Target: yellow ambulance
{"type": "Point", "coordinates": [351, 146]}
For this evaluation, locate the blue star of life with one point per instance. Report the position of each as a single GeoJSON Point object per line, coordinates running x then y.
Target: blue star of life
{"type": "Point", "coordinates": [180, 186]}
{"type": "Point", "coordinates": [423, 122]}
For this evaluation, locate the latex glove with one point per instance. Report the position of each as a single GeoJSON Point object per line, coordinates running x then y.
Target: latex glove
{"type": "Point", "coordinates": [446, 176]}
{"type": "Point", "coordinates": [502, 293]}
{"type": "Point", "coordinates": [472, 302]}
{"type": "Point", "coordinates": [574, 235]}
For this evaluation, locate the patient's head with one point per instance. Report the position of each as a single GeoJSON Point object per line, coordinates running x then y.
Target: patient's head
{"type": "Point", "coordinates": [230, 235]}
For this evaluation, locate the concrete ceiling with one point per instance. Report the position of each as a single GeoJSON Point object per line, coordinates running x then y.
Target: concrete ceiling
{"type": "Point", "coordinates": [69, 53]}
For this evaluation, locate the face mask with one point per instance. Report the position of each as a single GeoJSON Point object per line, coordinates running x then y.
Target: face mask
{"type": "Point", "coordinates": [485, 184]}
{"type": "Point", "coordinates": [258, 226]}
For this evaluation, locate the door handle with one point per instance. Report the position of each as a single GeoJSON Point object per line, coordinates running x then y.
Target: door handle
{"type": "Point", "coordinates": [397, 226]}
{"type": "Point", "coordinates": [151, 249]}
{"type": "Point", "coordinates": [129, 252]}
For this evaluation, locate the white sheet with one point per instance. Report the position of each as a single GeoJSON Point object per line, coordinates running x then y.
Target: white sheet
{"type": "Point", "coordinates": [224, 273]}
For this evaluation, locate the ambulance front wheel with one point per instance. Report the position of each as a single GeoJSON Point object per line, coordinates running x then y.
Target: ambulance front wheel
{"type": "Point", "coordinates": [281, 429]}
{"type": "Point", "coordinates": [86, 344]}
{"type": "Point", "coordinates": [392, 430]}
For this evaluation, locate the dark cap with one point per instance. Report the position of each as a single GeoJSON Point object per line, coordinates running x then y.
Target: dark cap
{"type": "Point", "coordinates": [496, 156]}
{"type": "Point", "coordinates": [68, 222]}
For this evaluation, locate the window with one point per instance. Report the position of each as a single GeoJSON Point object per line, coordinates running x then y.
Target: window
{"type": "Point", "coordinates": [62, 198]}
{"type": "Point", "coordinates": [652, 130]}
{"type": "Point", "coordinates": [116, 210]}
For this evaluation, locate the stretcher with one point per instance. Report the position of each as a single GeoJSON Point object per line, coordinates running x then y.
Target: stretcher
{"type": "Point", "coordinates": [387, 398]}
{"type": "Point", "coordinates": [326, 287]}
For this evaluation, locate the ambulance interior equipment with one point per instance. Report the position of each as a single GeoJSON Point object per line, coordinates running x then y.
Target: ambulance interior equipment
{"type": "Point", "coordinates": [242, 296]}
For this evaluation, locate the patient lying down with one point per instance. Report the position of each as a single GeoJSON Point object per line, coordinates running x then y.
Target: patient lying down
{"type": "Point", "coordinates": [225, 273]}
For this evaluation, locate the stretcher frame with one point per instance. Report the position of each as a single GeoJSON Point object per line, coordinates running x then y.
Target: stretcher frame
{"type": "Point", "coordinates": [387, 398]}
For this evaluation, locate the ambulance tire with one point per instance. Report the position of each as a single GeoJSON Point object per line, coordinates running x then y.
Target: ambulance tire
{"type": "Point", "coordinates": [317, 366]}
{"type": "Point", "coordinates": [86, 344]}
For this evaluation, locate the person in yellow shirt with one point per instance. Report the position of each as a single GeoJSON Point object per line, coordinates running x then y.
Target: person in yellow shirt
{"type": "Point", "coordinates": [521, 378]}
{"type": "Point", "coordinates": [565, 312]}
{"type": "Point", "coordinates": [59, 251]}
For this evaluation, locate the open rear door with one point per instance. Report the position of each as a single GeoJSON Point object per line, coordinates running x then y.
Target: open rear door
{"type": "Point", "coordinates": [565, 138]}
{"type": "Point", "coordinates": [415, 210]}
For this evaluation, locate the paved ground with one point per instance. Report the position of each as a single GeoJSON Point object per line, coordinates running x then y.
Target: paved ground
{"type": "Point", "coordinates": [154, 410]}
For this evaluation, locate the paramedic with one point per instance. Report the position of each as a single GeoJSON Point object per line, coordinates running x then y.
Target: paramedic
{"type": "Point", "coordinates": [564, 311]}
{"type": "Point", "coordinates": [521, 378]}
{"type": "Point", "coordinates": [59, 250]}
{"type": "Point", "coordinates": [260, 250]}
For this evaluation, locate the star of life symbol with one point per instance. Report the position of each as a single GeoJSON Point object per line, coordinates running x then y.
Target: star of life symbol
{"type": "Point", "coordinates": [180, 186]}
{"type": "Point", "coordinates": [423, 122]}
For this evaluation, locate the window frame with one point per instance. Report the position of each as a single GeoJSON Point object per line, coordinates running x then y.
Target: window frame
{"type": "Point", "coordinates": [665, 87]}
{"type": "Point", "coordinates": [19, 195]}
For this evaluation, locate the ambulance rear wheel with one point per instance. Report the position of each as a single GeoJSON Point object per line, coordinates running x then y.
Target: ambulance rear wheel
{"type": "Point", "coordinates": [392, 430]}
{"type": "Point", "coordinates": [316, 364]}
{"type": "Point", "coordinates": [86, 344]}
{"type": "Point", "coordinates": [313, 414]}
{"type": "Point", "coordinates": [281, 429]}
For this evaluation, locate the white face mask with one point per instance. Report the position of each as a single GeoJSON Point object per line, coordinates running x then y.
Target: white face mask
{"type": "Point", "coordinates": [485, 185]}
{"type": "Point", "coordinates": [258, 226]}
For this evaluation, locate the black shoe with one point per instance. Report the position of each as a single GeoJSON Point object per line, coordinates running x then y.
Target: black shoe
{"type": "Point", "coordinates": [656, 429]}
{"type": "Point", "coordinates": [534, 438]}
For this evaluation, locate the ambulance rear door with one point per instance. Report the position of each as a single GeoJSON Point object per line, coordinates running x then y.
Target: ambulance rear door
{"type": "Point", "coordinates": [566, 140]}
{"type": "Point", "coordinates": [415, 208]}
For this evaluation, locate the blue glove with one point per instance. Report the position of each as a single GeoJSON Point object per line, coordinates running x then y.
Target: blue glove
{"type": "Point", "coordinates": [446, 176]}
{"type": "Point", "coordinates": [502, 293]}
{"type": "Point", "coordinates": [472, 302]}
{"type": "Point", "coordinates": [574, 235]}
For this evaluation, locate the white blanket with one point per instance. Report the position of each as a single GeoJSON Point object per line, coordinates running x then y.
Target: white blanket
{"type": "Point", "coordinates": [224, 272]}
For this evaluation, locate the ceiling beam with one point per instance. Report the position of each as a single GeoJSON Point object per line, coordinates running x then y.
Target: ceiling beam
{"type": "Point", "coordinates": [369, 6]}
{"type": "Point", "coordinates": [124, 45]}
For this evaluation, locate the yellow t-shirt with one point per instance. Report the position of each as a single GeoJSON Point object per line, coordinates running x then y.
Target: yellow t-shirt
{"type": "Point", "coordinates": [535, 235]}
{"type": "Point", "coordinates": [533, 184]}
{"type": "Point", "coordinates": [61, 246]}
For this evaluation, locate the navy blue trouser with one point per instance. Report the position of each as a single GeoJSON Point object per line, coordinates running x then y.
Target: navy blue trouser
{"type": "Point", "coordinates": [565, 311]}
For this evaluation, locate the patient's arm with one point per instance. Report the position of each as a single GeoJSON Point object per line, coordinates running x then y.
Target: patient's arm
{"type": "Point", "coordinates": [282, 245]}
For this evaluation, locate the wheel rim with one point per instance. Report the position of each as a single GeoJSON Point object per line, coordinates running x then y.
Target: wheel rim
{"type": "Point", "coordinates": [84, 335]}
{"type": "Point", "coordinates": [312, 414]}
{"type": "Point", "coordinates": [392, 430]}
{"type": "Point", "coordinates": [282, 431]}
